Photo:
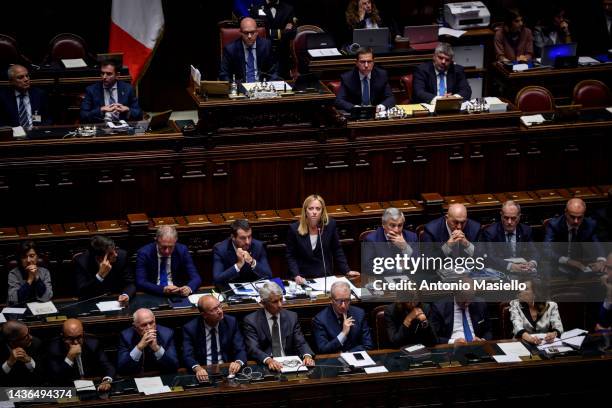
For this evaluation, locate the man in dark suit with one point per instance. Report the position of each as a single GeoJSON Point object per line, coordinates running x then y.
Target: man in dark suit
{"type": "Point", "coordinates": [461, 321]}
{"type": "Point", "coordinates": [212, 338]}
{"type": "Point", "coordinates": [517, 237]}
{"type": "Point", "coordinates": [340, 326]}
{"type": "Point", "coordinates": [76, 355]}
{"type": "Point", "coordinates": [109, 99]}
{"type": "Point", "coordinates": [574, 229]}
{"type": "Point", "coordinates": [365, 85]}
{"type": "Point", "coordinates": [455, 231]}
{"type": "Point", "coordinates": [440, 77]}
{"type": "Point", "coordinates": [281, 23]}
{"type": "Point", "coordinates": [104, 268]}
{"type": "Point", "coordinates": [274, 332]}
{"type": "Point", "coordinates": [389, 240]}
{"type": "Point", "coordinates": [249, 58]}
{"type": "Point", "coordinates": [146, 346]}
{"type": "Point", "coordinates": [165, 267]}
{"type": "Point", "coordinates": [240, 258]}
{"type": "Point", "coordinates": [22, 104]}
{"type": "Point", "coordinates": [20, 356]}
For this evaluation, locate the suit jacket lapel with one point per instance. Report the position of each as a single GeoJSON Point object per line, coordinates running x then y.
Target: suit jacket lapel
{"type": "Point", "coordinates": [285, 329]}
{"type": "Point", "coordinates": [263, 324]}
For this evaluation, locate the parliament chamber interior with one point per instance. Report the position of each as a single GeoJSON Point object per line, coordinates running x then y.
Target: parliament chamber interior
{"type": "Point", "coordinates": [275, 202]}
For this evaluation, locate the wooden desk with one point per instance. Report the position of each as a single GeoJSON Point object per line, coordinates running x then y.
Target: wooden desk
{"type": "Point", "coordinates": [298, 109]}
{"type": "Point", "coordinates": [559, 81]}
{"type": "Point", "coordinates": [577, 379]}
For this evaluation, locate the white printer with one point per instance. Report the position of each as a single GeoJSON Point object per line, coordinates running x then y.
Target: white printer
{"type": "Point", "coordinates": [468, 14]}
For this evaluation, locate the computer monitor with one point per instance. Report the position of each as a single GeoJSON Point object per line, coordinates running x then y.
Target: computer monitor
{"type": "Point", "coordinates": [448, 104]}
{"type": "Point", "coordinates": [375, 38]}
{"type": "Point", "coordinates": [159, 120]}
{"type": "Point", "coordinates": [551, 52]}
{"type": "Point", "coordinates": [423, 37]}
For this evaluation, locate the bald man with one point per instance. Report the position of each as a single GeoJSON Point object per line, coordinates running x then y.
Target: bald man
{"type": "Point", "coordinates": [146, 346]}
{"type": "Point", "coordinates": [212, 338]}
{"type": "Point", "coordinates": [454, 231]}
{"type": "Point", "coordinates": [19, 355]}
{"type": "Point", "coordinates": [249, 58]}
{"type": "Point", "coordinates": [574, 228]}
{"type": "Point", "coordinates": [75, 355]}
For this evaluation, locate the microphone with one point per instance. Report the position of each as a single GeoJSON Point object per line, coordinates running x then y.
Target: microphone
{"type": "Point", "coordinates": [319, 231]}
{"type": "Point", "coordinates": [83, 301]}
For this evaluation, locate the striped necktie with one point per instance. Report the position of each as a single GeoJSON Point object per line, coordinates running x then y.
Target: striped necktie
{"type": "Point", "coordinates": [24, 117]}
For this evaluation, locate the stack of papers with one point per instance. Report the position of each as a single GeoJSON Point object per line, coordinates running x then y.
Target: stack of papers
{"type": "Point", "coordinates": [84, 385]}
{"type": "Point", "coordinates": [319, 284]}
{"type": "Point", "coordinates": [151, 385]}
{"type": "Point", "coordinates": [109, 306]}
{"type": "Point", "coordinates": [74, 63]}
{"type": "Point", "coordinates": [587, 61]}
{"type": "Point", "coordinates": [529, 120]}
{"type": "Point", "coordinates": [2, 318]}
{"type": "Point", "coordinates": [291, 364]}
{"type": "Point", "coordinates": [451, 32]}
{"type": "Point", "coordinates": [324, 52]}
{"type": "Point", "coordinates": [358, 359]}
{"type": "Point", "coordinates": [42, 308]}
{"type": "Point", "coordinates": [14, 310]}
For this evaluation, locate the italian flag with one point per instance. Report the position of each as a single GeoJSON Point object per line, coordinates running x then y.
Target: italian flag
{"type": "Point", "coordinates": [136, 28]}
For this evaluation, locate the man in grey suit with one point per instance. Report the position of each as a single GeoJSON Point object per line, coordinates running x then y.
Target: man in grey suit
{"type": "Point", "coordinates": [274, 332]}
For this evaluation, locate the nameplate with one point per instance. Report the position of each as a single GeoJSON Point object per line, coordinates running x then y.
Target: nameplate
{"type": "Point", "coordinates": [60, 318]}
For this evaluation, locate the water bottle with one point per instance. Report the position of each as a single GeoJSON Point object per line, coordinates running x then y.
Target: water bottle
{"type": "Point", "coordinates": [233, 86]}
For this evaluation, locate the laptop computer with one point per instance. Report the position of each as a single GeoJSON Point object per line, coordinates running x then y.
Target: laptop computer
{"type": "Point", "coordinates": [551, 52]}
{"type": "Point", "coordinates": [317, 41]}
{"type": "Point", "coordinates": [375, 38]}
{"type": "Point", "coordinates": [159, 120]}
{"type": "Point", "coordinates": [469, 55]}
{"type": "Point", "coordinates": [448, 104]}
{"type": "Point", "coordinates": [423, 37]}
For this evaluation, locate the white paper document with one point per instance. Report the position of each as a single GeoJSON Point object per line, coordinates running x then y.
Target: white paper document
{"type": "Point", "coordinates": [507, 359]}
{"type": "Point", "coordinates": [358, 359]}
{"type": "Point", "coordinates": [196, 76]}
{"type": "Point", "coordinates": [2, 318]}
{"type": "Point", "coordinates": [19, 132]}
{"type": "Point", "coordinates": [246, 289]}
{"type": "Point", "coordinates": [42, 308]}
{"type": "Point", "coordinates": [514, 348]}
{"type": "Point", "coordinates": [324, 52]}
{"type": "Point", "coordinates": [151, 385]}
{"type": "Point", "coordinates": [520, 67]}
{"type": "Point", "coordinates": [74, 63]}
{"type": "Point", "coordinates": [319, 283]}
{"type": "Point", "coordinates": [516, 260]}
{"type": "Point", "coordinates": [573, 333]}
{"type": "Point", "coordinates": [291, 364]}
{"type": "Point", "coordinates": [587, 61]}
{"type": "Point", "coordinates": [84, 385]}
{"type": "Point", "coordinates": [14, 310]}
{"type": "Point", "coordinates": [376, 370]}
{"type": "Point", "coordinates": [109, 306]}
{"type": "Point", "coordinates": [529, 120]}
{"type": "Point", "coordinates": [451, 32]}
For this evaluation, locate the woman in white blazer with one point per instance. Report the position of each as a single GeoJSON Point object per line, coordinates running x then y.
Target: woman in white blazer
{"type": "Point", "coordinates": [530, 315]}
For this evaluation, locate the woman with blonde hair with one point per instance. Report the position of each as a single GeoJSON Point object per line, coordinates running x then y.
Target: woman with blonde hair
{"type": "Point", "coordinates": [313, 245]}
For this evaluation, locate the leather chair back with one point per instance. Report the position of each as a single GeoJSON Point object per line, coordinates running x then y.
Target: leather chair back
{"type": "Point", "coordinates": [333, 86]}
{"type": "Point", "coordinates": [298, 48]}
{"type": "Point", "coordinates": [406, 86]}
{"type": "Point", "coordinates": [535, 99]}
{"type": "Point", "coordinates": [67, 46]}
{"type": "Point", "coordinates": [591, 93]}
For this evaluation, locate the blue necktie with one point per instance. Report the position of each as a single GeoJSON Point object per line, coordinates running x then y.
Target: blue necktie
{"type": "Point", "coordinates": [466, 327]}
{"type": "Point", "coordinates": [163, 273]}
{"type": "Point", "coordinates": [24, 118]}
{"type": "Point", "coordinates": [214, 356]}
{"type": "Point", "coordinates": [250, 66]}
{"type": "Point", "coordinates": [365, 92]}
{"type": "Point", "coordinates": [442, 86]}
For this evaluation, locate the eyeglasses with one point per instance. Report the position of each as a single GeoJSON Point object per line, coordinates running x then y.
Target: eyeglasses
{"type": "Point", "coordinates": [341, 301]}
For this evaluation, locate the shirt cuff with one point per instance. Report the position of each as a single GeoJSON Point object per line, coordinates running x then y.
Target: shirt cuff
{"type": "Point", "coordinates": [160, 353]}
{"type": "Point", "coordinates": [126, 295]}
{"type": "Point", "coordinates": [470, 249]}
{"type": "Point", "coordinates": [236, 268]}
{"type": "Point", "coordinates": [306, 355]}
{"type": "Point", "coordinates": [240, 362]}
{"type": "Point", "coordinates": [254, 263]}
{"type": "Point", "coordinates": [563, 259]}
{"type": "Point", "coordinates": [69, 362]}
{"type": "Point", "coordinates": [98, 277]}
{"type": "Point", "coordinates": [31, 365]}
{"type": "Point", "coordinates": [6, 368]}
{"type": "Point", "coordinates": [607, 305]}
{"type": "Point", "coordinates": [107, 379]}
{"type": "Point", "coordinates": [135, 354]}
{"type": "Point", "coordinates": [266, 359]}
{"type": "Point", "coordinates": [601, 258]}
{"type": "Point", "coordinates": [341, 338]}
{"type": "Point", "coordinates": [193, 368]}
